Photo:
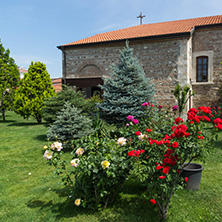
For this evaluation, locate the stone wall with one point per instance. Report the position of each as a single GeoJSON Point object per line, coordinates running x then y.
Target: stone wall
{"type": "Point", "coordinates": [165, 61]}
{"type": "Point", "coordinates": [209, 93]}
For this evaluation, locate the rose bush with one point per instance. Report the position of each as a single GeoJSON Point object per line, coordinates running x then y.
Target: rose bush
{"type": "Point", "coordinates": [153, 149]}
{"type": "Point", "coordinates": [98, 167]}
{"type": "Point", "coordinates": [160, 147]}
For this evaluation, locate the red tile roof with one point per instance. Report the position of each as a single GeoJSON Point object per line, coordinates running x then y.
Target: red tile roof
{"type": "Point", "coordinates": [57, 84]}
{"type": "Point", "coordinates": [151, 30]}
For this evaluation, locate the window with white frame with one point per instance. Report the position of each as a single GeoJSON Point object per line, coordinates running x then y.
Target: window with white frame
{"type": "Point", "coordinates": [202, 67]}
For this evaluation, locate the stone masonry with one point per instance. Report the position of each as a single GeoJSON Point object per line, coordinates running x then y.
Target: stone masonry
{"type": "Point", "coordinates": [167, 61]}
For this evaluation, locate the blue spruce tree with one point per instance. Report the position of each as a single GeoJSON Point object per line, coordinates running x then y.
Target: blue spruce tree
{"type": "Point", "coordinates": [125, 89]}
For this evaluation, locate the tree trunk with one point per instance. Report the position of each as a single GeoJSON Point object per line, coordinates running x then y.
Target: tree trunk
{"type": "Point", "coordinates": [39, 119]}
{"type": "Point", "coordinates": [3, 115]}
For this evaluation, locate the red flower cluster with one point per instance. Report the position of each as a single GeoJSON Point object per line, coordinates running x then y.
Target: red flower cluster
{"type": "Point", "coordinates": [180, 130]}
{"type": "Point", "coordinates": [205, 109]}
{"type": "Point", "coordinates": [218, 123]}
{"type": "Point", "coordinates": [135, 152]}
{"type": "Point", "coordinates": [178, 120]}
{"type": "Point", "coordinates": [192, 115]}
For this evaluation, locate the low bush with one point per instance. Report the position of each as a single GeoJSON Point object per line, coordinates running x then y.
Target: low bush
{"type": "Point", "coordinates": [98, 168]}
{"type": "Point", "coordinates": [70, 124]}
{"type": "Point", "coordinates": [54, 104]}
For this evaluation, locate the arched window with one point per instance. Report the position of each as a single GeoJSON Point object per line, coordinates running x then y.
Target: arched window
{"type": "Point", "coordinates": [202, 69]}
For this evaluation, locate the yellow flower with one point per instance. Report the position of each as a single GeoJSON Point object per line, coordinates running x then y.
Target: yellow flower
{"type": "Point", "coordinates": [105, 164]}
{"type": "Point", "coordinates": [45, 147]}
{"type": "Point", "coordinates": [77, 202]}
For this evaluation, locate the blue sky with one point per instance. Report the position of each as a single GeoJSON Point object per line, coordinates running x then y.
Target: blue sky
{"type": "Point", "coordinates": [32, 29]}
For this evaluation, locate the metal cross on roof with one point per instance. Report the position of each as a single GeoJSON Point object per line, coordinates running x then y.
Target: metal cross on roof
{"type": "Point", "coordinates": [141, 18]}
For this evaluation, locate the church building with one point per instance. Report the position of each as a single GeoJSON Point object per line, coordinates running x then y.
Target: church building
{"type": "Point", "coordinates": [184, 51]}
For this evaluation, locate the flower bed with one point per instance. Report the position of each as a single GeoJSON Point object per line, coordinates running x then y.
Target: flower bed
{"type": "Point", "coordinates": [154, 149]}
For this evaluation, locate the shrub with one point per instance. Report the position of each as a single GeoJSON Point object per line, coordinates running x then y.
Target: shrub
{"type": "Point", "coordinates": [54, 104]}
{"type": "Point", "coordinates": [159, 153]}
{"type": "Point", "coordinates": [70, 124]}
{"type": "Point", "coordinates": [98, 168]}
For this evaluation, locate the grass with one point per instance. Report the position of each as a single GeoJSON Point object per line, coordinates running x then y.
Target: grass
{"type": "Point", "coordinates": [30, 192]}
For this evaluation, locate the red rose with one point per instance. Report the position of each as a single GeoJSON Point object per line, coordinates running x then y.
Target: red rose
{"type": "Point", "coordinates": [175, 145]}
{"type": "Point", "coordinates": [187, 134]}
{"type": "Point", "coordinates": [137, 133]}
{"type": "Point", "coordinates": [142, 151]}
{"type": "Point", "coordinates": [173, 128]}
{"type": "Point", "coordinates": [186, 179]}
{"type": "Point", "coordinates": [162, 177]}
{"type": "Point", "coordinates": [148, 130]}
{"type": "Point", "coordinates": [172, 135]}
{"type": "Point", "coordinates": [137, 152]}
{"type": "Point", "coordinates": [197, 119]}
{"type": "Point", "coordinates": [131, 153]}
{"type": "Point", "coordinates": [166, 170]}
{"type": "Point", "coordinates": [174, 163]}
{"type": "Point", "coordinates": [178, 120]}
{"type": "Point", "coordinates": [178, 171]}
{"type": "Point", "coordinates": [152, 201]}
{"type": "Point", "coordinates": [158, 167]}
{"type": "Point", "coordinates": [219, 126]}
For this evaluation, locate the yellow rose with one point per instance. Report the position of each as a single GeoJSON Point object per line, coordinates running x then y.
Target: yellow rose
{"type": "Point", "coordinates": [77, 202]}
{"type": "Point", "coordinates": [45, 147]}
{"type": "Point", "coordinates": [105, 164]}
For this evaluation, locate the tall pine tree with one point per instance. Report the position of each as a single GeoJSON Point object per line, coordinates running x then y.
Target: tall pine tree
{"type": "Point", "coordinates": [125, 89]}
{"type": "Point", "coordinates": [35, 87]}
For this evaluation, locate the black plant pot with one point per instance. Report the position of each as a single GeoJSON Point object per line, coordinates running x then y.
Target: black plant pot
{"type": "Point", "coordinates": [193, 172]}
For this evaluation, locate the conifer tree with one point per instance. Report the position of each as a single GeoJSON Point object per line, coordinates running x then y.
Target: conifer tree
{"type": "Point", "coordinates": [70, 124]}
{"type": "Point", "coordinates": [34, 88]}
{"type": "Point", "coordinates": [54, 104]}
{"type": "Point", "coordinates": [9, 78]}
{"type": "Point", "coordinates": [125, 89]}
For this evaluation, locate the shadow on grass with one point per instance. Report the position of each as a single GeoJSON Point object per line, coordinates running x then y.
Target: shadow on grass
{"type": "Point", "coordinates": [7, 121]}
{"type": "Point", "coordinates": [42, 137]}
{"type": "Point", "coordinates": [24, 124]}
{"type": "Point", "coordinates": [129, 206]}
{"type": "Point", "coordinates": [218, 143]}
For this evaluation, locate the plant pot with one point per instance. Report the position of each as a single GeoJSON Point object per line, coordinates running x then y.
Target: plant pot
{"type": "Point", "coordinates": [193, 172]}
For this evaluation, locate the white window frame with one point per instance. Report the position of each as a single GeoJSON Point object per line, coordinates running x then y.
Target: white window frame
{"type": "Point", "coordinates": [209, 54]}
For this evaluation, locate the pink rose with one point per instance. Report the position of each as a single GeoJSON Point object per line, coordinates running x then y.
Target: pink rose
{"type": "Point", "coordinates": [129, 118]}
{"type": "Point", "coordinates": [135, 121]}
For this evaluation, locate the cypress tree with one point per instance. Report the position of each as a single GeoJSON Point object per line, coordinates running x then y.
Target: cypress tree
{"type": "Point", "coordinates": [34, 88]}
{"type": "Point", "coordinates": [70, 124]}
{"type": "Point", "coordinates": [125, 89]}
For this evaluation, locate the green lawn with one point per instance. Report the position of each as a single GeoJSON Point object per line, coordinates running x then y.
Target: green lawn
{"type": "Point", "coordinates": [30, 192]}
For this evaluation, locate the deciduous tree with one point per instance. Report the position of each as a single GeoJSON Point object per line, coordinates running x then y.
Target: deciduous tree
{"type": "Point", "coordinates": [9, 77]}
